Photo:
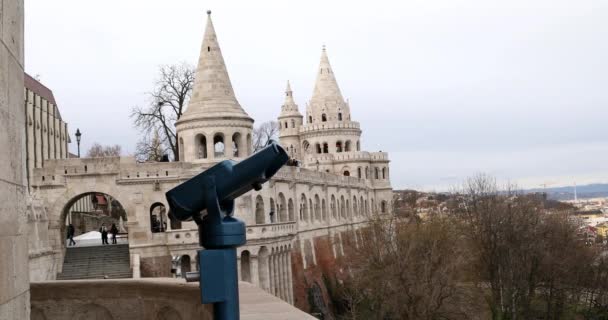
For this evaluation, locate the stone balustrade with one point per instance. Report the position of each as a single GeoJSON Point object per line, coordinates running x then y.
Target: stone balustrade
{"type": "Point", "coordinates": [152, 298]}
{"type": "Point", "coordinates": [273, 230]}
{"type": "Point", "coordinates": [182, 236]}
{"type": "Point", "coordinates": [330, 125]}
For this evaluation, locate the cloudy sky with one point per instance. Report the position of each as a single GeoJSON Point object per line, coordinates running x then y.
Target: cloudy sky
{"type": "Point", "coordinates": [517, 89]}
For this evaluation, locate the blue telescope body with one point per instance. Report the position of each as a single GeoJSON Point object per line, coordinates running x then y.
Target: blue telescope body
{"type": "Point", "coordinates": [214, 191]}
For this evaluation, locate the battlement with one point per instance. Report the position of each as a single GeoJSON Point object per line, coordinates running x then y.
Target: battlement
{"type": "Point", "coordinates": [124, 167]}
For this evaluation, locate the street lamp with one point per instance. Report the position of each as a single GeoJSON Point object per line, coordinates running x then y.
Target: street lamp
{"type": "Point", "coordinates": [78, 135]}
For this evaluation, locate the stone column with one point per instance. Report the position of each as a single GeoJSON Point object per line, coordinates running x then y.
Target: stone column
{"type": "Point", "coordinates": [210, 148]}
{"type": "Point", "coordinates": [284, 276]}
{"type": "Point", "coordinates": [255, 272]}
{"type": "Point", "coordinates": [289, 278]}
{"type": "Point", "coordinates": [271, 273]}
{"type": "Point", "coordinates": [275, 266]}
{"type": "Point", "coordinates": [228, 150]}
{"type": "Point", "coordinates": [14, 285]}
{"type": "Point", "coordinates": [280, 275]}
{"type": "Point", "coordinates": [44, 116]}
{"type": "Point", "coordinates": [51, 132]}
{"type": "Point", "coordinates": [38, 131]}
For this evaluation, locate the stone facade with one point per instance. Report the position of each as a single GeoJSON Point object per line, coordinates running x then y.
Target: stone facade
{"type": "Point", "coordinates": [14, 283]}
{"type": "Point", "coordinates": [298, 209]}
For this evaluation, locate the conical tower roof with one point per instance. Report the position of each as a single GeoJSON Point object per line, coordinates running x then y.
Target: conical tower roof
{"type": "Point", "coordinates": [326, 86]}
{"type": "Point", "coordinates": [212, 94]}
{"type": "Point", "coordinates": [289, 108]}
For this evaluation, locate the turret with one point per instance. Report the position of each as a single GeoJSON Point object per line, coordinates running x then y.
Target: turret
{"type": "Point", "coordinates": [214, 127]}
{"type": "Point", "coordinates": [290, 121]}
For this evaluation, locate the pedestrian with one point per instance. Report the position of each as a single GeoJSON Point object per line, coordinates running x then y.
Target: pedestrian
{"type": "Point", "coordinates": [104, 234]}
{"type": "Point", "coordinates": [71, 235]}
{"type": "Point", "coordinates": [114, 231]}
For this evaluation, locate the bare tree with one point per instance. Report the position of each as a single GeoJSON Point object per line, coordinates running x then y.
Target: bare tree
{"type": "Point", "coordinates": [168, 100]}
{"type": "Point", "coordinates": [404, 270]}
{"type": "Point", "coordinates": [151, 149]}
{"type": "Point", "coordinates": [264, 133]}
{"type": "Point", "coordinates": [99, 151]}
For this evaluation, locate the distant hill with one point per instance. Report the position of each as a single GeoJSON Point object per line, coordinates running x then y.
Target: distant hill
{"type": "Point", "coordinates": [567, 193]}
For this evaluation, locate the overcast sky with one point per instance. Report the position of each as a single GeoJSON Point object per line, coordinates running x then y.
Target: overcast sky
{"type": "Point", "coordinates": [517, 89]}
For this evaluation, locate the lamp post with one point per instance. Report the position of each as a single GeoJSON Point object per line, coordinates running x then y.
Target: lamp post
{"type": "Point", "coordinates": [78, 135]}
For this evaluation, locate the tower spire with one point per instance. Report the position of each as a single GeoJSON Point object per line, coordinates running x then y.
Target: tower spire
{"type": "Point", "coordinates": [326, 86]}
{"type": "Point", "coordinates": [289, 95]}
{"type": "Point", "coordinates": [212, 94]}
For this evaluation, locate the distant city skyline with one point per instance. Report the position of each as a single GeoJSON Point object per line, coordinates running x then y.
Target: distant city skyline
{"type": "Point", "coordinates": [450, 89]}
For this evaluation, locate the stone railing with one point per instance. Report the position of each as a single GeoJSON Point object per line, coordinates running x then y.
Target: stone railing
{"type": "Point", "coordinates": [330, 126]}
{"type": "Point", "coordinates": [302, 175]}
{"type": "Point", "coordinates": [118, 299]}
{"type": "Point", "coordinates": [347, 156]}
{"type": "Point", "coordinates": [273, 230]}
{"type": "Point", "coordinates": [152, 298]}
{"type": "Point", "coordinates": [182, 236]}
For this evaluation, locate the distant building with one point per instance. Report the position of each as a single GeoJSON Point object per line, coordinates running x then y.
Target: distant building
{"type": "Point", "coordinates": [47, 134]}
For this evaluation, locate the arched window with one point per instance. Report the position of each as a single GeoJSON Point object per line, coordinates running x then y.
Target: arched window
{"type": "Point", "coordinates": [324, 117]}
{"type": "Point", "coordinates": [318, 147]}
{"type": "Point", "coordinates": [323, 210]}
{"type": "Point", "coordinates": [201, 146]}
{"type": "Point", "coordinates": [383, 207]}
{"type": "Point", "coordinates": [359, 172]}
{"type": "Point", "coordinates": [272, 213]}
{"type": "Point", "coordinates": [339, 146]}
{"type": "Point", "coordinates": [309, 119]}
{"type": "Point", "coordinates": [282, 209]}
{"type": "Point", "coordinates": [325, 148]}
{"type": "Point", "coordinates": [158, 217]}
{"type": "Point", "coordinates": [259, 210]}
{"type": "Point", "coordinates": [366, 173]}
{"type": "Point", "coordinates": [317, 208]}
{"type": "Point", "coordinates": [347, 146]}
{"type": "Point", "coordinates": [245, 266]}
{"type": "Point", "coordinates": [332, 207]}
{"type": "Point", "coordinates": [340, 116]}
{"type": "Point", "coordinates": [303, 208]}
{"type": "Point", "coordinates": [305, 146]}
{"type": "Point", "coordinates": [383, 173]}
{"type": "Point", "coordinates": [290, 210]}
{"type": "Point", "coordinates": [218, 145]}
{"type": "Point", "coordinates": [358, 145]}
{"type": "Point", "coordinates": [236, 145]}
{"type": "Point", "coordinates": [184, 264]}
{"type": "Point", "coordinates": [293, 123]}
{"type": "Point", "coordinates": [346, 173]}
{"type": "Point", "coordinates": [286, 125]}
{"type": "Point", "coordinates": [377, 176]}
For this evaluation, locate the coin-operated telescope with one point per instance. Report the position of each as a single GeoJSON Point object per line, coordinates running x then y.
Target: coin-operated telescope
{"type": "Point", "coordinates": [214, 191]}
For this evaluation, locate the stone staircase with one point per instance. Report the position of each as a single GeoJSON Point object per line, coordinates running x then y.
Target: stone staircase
{"type": "Point", "coordinates": [97, 262]}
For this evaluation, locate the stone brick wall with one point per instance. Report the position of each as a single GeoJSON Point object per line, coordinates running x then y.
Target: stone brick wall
{"type": "Point", "coordinates": [14, 277]}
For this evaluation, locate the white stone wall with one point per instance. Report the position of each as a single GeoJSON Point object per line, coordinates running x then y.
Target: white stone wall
{"type": "Point", "coordinates": [14, 283]}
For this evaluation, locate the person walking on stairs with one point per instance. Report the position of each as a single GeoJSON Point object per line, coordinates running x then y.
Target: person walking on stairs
{"type": "Point", "coordinates": [71, 235]}
{"type": "Point", "coordinates": [114, 231]}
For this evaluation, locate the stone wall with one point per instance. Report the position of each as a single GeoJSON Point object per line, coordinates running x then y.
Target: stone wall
{"type": "Point", "coordinates": [14, 278]}
{"type": "Point", "coordinates": [117, 299]}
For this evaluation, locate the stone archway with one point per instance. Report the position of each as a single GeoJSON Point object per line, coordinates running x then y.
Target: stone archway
{"type": "Point", "coordinates": [89, 211]}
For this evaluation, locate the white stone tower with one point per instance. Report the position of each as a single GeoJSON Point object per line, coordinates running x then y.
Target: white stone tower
{"type": "Point", "coordinates": [214, 126]}
{"type": "Point", "coordinates": [329, 130]}
{"type": "Point", "coordinates": [290, 121]}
